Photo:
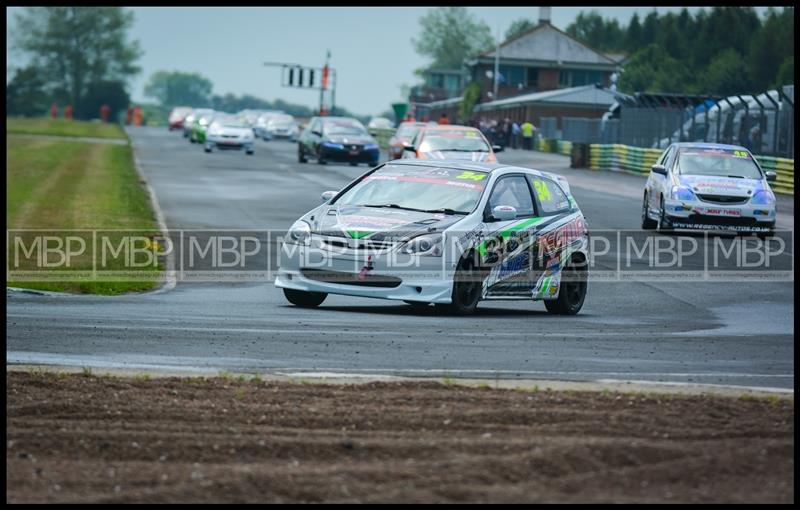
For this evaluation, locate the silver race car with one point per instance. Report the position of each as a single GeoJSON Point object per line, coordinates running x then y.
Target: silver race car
{"type": "Point", "coordinates": [444, 232]}
{"type": "Point", "coordinates": [709, 186]}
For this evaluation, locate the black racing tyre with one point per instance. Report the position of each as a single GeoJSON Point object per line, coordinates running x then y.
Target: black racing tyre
{"type": "Point", "coordinates": [304, 299]}
{"type": "Point", "coordinates": [647, 223]}
{"type": "Point", "coordinates": [765, 235]}
{"type": "Point", "coordinates": [467, 287]}
{"type": "Point", "coordinates": [300, 156]}
{"type": "Point", "coordinates": [663, 225]}
{"type": "Point", "coordinates": [571, 292]}
{"type": "Point", "coordinates": [353, 163]}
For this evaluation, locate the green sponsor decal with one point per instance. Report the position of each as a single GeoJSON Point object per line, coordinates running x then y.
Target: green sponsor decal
{"type": "Point", "coordinates": [355, 234]}
{"type": "Point", "coordinates": [513, 228]}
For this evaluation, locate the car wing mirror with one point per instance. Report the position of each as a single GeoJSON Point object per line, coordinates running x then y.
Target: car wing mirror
{"type": "Point", "coordinates": [772, 176]}
{"type": "Point", "coordinates": [504, 212]}
{"type": "Point", "coordinates": [659, 169]}
{"type": "Point", "coordinates": [497, 148]}
{"type": "Point", "coordinates": [318, 133]}
{"type": "Point", "coordinates": [328, 195]}
{"type": "Point", "coordinates": [408, 147]}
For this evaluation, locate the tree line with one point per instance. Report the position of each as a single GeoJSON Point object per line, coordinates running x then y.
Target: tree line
{"type": "Point", "coordinates": [723, 51]}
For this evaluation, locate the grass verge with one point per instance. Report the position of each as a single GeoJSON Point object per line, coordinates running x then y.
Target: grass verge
{"type": "Point", "coordinates": [57, 186]}
{"type": "Point", "coordinates": [61, 127]}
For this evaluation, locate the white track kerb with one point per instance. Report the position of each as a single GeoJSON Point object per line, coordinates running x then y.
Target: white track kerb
{"type": "Point", "coordinates": [169, 272]}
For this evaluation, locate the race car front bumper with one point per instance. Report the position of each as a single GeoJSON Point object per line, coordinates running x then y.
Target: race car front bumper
{"type": "Point", "coordinates": [387, 275]}
{"type": "Point", "coordinates": [708, 216]}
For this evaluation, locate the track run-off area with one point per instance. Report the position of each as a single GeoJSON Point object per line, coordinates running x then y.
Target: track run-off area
{"type": "Point", "coordinates": [689, 331]}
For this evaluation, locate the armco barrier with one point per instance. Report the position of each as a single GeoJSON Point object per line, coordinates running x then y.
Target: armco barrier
{"type": "Point", "coordinates": [639, 160]}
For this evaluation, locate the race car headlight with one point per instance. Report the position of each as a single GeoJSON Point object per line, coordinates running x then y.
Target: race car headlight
{"type": "Point", "coordinates": [332, 145]}
{"type": "Point", "coordinates": [682, 193]}
{"type": "Point", "coordinates": [424, 245]}
{"type": "Point", "coordinates": [300, 233]}
{"type": "Point", "coordinates": [763, 197]}
{"type": "Point", "coordinates": [371, 146]}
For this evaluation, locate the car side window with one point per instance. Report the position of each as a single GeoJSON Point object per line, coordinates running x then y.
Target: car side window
{"type": "Point", "coordinates": [668, 157]}
{"type": "Point", "coordinates": [513, 191]}
{"type": "Point", "coordinates": [550, 198]}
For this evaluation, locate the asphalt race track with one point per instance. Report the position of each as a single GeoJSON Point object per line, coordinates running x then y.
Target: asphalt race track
{"type": "Point", "coordinates": [733, 332]}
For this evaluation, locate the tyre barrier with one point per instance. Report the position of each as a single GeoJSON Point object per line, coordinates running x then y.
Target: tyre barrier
{"type": "Point", "coordinates": [550, 145]}
{"type": "Point", "coordinates": [638, 160]}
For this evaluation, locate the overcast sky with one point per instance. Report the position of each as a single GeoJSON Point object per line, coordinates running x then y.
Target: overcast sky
{"type": "Point", "coordinates": [371, 47]}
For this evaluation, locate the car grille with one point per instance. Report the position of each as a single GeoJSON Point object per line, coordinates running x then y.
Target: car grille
{"type": "Point", "coordinates": [342, 278]}
{"type": "Point", "coordinates": [352, 147]}
{"type": "Point", "coordinates": [723, 199]}
{"type": "Point", "coordinates": [357, 244]}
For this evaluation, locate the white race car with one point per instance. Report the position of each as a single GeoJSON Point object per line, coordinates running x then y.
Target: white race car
{"type": "Point", "coordinates": [709, 186]}
{"type": "Point", "coordinates": [445, 232]}
{"type": "Point", "coordinates": [229, 132]}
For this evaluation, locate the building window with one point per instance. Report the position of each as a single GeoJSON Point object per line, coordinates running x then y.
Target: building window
{"type": "Point", "coordinates": [512, 75]}
{"type": "Point", "coordinates": [579, 77]}
{"type": "Point", "coordinates": [533, 78]}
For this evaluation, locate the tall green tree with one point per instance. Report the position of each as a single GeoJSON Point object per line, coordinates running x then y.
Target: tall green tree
{"type": "Point", "coordinates": [633, 36]}
{"type": "Point", "coordinates": [519, 27]}
{"type": "Point", "coordinates": [652, 69]}
{"type": "Point", "coordinates": [727, 75]}
{"type": "Point", "coordinates": [450, 35]}
{"type": "Point", "coordinates": [179, 89]}
{"type": "Point", "coordinates": [25, 93]}
{"type": "Point", "coordinates": [75, 47]}
{"type": "Point", "coordinates": [771, 46]}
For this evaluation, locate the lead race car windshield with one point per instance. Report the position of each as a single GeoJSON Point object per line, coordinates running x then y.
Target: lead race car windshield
{"type": "Point", "coordinates": [343, 128]}
{"type": "Point", "coordinates": [419, 188]}
{"type": "Point", "coordinates": [718, 163]}
{"type": "Point", "coordinates": [466, 141]}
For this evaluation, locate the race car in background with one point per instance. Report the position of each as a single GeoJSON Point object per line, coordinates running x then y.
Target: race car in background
{"type": "Point", "coordinates": [281, 125]}
{"type": "Point", "coordinates": [229, 132]}
{"type": "Point", "coordinates": [177, 115]}
{"type": "Point", "coordinates": [402, 137]}
{"type": "Point", "coordinates": [451, 142]}
{"type": "Point", "coordinates": [709, 186]}
{"type": "Point", "coordinates": [445, 232]}
{"type": "Point", "coordinates": [189, 120]}
{"type": "Point", "coordinates": [200, 125]}
{"type": "Point", "coordinates": [341, 139]}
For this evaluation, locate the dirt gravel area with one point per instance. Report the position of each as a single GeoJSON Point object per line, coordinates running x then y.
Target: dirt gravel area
{"type": "Point", "coordinates": [85, 438]}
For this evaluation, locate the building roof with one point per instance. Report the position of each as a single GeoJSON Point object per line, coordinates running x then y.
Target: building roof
{"type": "Point", "coordinates": [546, 43]}
{"type": "Point", "coordinates": [444, 103]}
{"type": "Point", "coordinates": [586, 95]}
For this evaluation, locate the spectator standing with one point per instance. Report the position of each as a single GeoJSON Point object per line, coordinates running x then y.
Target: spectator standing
{"type": "Point", "coordinates": [443, 119]}
{"type": "Point", "coordinates": [68, 112]}
{"type": "Point", "coordinates": [515, 132]}
{"type": "Point", "coordinates": [527, 135]}
{"type": "Point", "coordinates": [53, 111]}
